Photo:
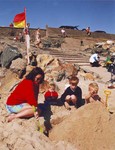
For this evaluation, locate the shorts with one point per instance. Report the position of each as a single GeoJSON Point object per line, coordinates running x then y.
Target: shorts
{"type": "Point", "coordinates": [15, 108]}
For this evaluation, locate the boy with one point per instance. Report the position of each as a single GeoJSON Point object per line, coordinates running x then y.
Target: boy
{"type": "Point", "coordinates": [73, 94]}
{"type": "Point", "coordinates": [93, 94]}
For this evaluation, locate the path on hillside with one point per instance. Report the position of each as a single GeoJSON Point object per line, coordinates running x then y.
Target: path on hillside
{"type": "Point", "coordinates": [69, 56]}
{"type": "Point", "coordinates": [71, 50]}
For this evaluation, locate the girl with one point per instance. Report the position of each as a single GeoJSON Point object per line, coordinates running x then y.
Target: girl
{"type": "Point", "coordinates": [23, 99]}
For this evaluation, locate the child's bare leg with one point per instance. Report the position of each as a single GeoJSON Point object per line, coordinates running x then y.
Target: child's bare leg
{"type": "Point", "coordinates": [26, 111]}
{"type": "Point", "coordinates": [67, 106]}
{"type": "Point", "coordinates": [74, 99]}
{"type": "Point", "coordinates": [27, 106]}
{"type": "Point", "coordinates": [11, 117]}
{"type": "Point", "coordinates": [23, 114]}
{"type": "Point", "coordinates": [67, 100]}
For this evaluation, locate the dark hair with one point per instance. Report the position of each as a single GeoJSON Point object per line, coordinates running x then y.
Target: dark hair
{"type": "Point", "coordinates": [34, 73]}
{"type": "Point", "coordinates": [97, 52]}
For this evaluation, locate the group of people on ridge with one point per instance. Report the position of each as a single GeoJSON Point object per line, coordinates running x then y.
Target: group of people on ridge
{"type": "Point", "coordinates": [22, 35]}
{"type": "Point", "coordinates": [23, 101]}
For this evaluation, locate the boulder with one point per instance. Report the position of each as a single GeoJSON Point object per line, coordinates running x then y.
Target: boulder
{"type": "Point", "coordinates": [10, 53]}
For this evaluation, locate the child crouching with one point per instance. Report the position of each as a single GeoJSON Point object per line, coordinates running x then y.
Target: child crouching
{"type": "Point", "coordinates": [73, 94]}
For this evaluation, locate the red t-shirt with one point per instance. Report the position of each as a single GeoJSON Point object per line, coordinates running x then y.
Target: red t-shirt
{"type": "Point", "coordinates": [50, 94]}
{"type": "Point", "coordinates": [26, 92]}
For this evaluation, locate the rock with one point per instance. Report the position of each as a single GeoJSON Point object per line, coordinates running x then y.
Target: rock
{"type": "Point", "coordinates": [44, 60]}
{"type": "Point", "coordinates": [8, 83]}
{"type": "Point", "coordinates": [2, 72]}
{"type": "Point", "coordinates": [10, 53]}
{"type": "Point", "coordinates": [18, 64]}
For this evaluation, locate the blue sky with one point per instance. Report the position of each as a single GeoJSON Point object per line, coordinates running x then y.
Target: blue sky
{"type": "Point", "coordinates": [98, 14]}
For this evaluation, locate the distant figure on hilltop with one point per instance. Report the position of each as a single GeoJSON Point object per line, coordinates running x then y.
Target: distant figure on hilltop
{"type": "Point", "coordinates": [21, 37]}
{"type": "Point", "coordinates": [88, 31]}
{"type": "Point", "coordinates": [11, 25]}
{"type": "Point", "coordinates": [12, 33]}
{"type": "Point", "coordinates": [26, 33]}
{"type": "Point", "coordinates": [37, 38]}
{"type": "Point", "coordinates": [26, 29]}
{"type": "Point", "coordinates": [63, 33]}
{"type": "Point", "coordinates": [81, 43]}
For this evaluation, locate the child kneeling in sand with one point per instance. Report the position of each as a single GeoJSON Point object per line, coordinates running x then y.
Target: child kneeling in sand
{"type": "Point", "coordinates": [51, 95]}
{"type": "Point", "coordinates": [73, 94]}
{"type": "Point", "coordinates": [93, 94]}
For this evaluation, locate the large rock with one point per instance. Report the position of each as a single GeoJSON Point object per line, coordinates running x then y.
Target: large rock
{"type": "Point", "coordinates": [8, 82]}
{"type": "Point", "coordinates": [19, 67]}
{"type": "Point", "coordinates": [18, 64]}
{"type": "Point", "coordinates": [44, 60]}
{"type": "Point", "coordinates": [54, 68]}
{"type": "Point", "coordinates": [9, 54]}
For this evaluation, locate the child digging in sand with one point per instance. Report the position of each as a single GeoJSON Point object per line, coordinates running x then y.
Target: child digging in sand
{"type": "Point", "coordinates": [73, 94]}
{"type": "Point", "coordinates": [22, 102]}
{"type": "Point", "coordinates": [93, 96]}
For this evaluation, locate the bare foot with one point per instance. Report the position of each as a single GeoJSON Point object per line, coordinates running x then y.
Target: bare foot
{"type": "Point", "coordinates": [11, 117]}
{"type": "Point", "coordinates": [67, 106]}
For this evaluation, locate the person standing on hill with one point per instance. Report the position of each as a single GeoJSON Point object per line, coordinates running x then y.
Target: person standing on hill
{"type": "Point", "coordinates": [63, 32]}
{"type": "Point", "coordinates": [22, 102]}
{"type": "Point", "coordinates": [88, 31]}
{"type": "Point", "coordinates": [27, 40]}
{"type": "Point", "coordinates": [37, 37]}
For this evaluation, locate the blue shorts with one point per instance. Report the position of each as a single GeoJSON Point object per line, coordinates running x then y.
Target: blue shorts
{"type": "Point", "coordinates": [15, 108]}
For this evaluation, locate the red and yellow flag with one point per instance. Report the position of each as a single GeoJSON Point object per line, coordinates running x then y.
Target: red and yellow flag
{"type": "Point", "coordinates": [20, 20]}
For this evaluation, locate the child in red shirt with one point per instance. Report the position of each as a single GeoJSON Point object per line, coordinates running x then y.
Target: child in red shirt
{"type": "Point", "coordinates": [51, 95]}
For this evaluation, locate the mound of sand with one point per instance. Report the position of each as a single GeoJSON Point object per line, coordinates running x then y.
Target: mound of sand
{"type": "Point", "coordinates": [91, 127]}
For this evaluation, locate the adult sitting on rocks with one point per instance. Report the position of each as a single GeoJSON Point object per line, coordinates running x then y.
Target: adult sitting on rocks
{"type": "Point", "coordinates": [94, 60]}
{"type": "Point", "coordinates": [24, 98]}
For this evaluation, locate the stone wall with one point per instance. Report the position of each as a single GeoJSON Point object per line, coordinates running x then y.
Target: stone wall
{"type": "Point", "coordinates": [55, 32]}
{"type": "Point", "coordinates": [7, 31]}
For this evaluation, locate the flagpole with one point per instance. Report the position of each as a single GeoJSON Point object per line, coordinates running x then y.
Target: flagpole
{"type": "Point", "coordinates": [27, 38]}
{"type": "Point", "coordinates": [25, 16]}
